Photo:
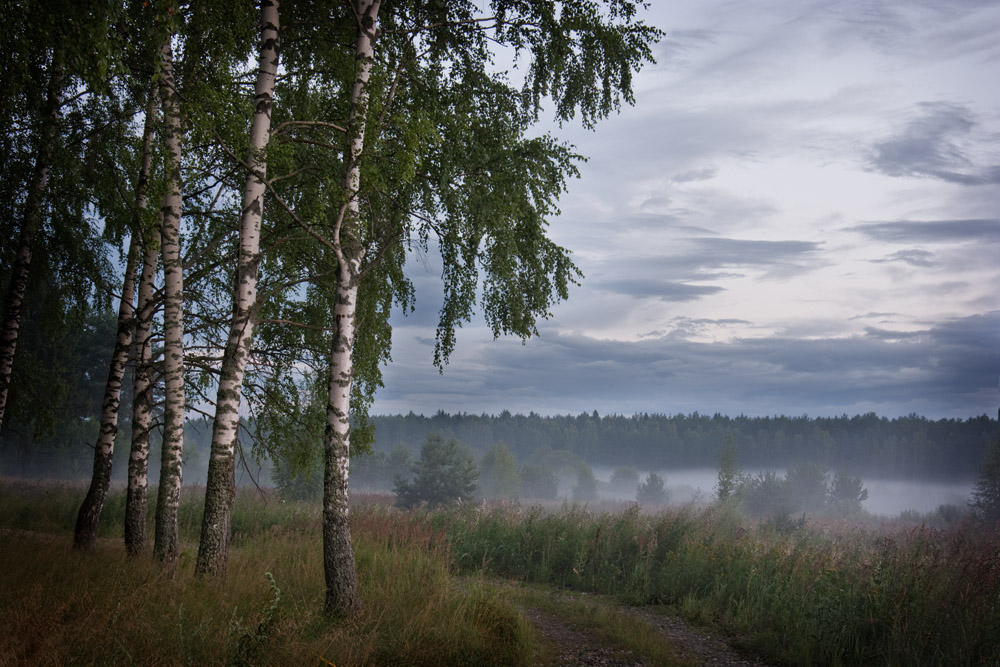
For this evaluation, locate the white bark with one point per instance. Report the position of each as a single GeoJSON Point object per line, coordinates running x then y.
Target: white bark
{"type": "Point", "coordinates": [90, 512]}
{"type": "Point", "coordinates": [142, 402]}
{"type": "Point", "coordinates": [220, 488]}
{"type": "Point", "coordinates": [338, 554]}
{"type": "Point", "coordinates": [165, 546]}
{"type": "Point", "coordinates": [142, 381]}
{"type": "Point", "coordinates": [30, 222]}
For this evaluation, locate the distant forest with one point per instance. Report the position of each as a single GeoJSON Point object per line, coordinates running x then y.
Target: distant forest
{"type": "Point", "coordinates": [910, 447]}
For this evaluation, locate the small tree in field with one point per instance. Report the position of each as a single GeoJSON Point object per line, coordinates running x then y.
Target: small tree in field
{"type": "Point", "coordinates": [847, 493]}
{"type": "Point", "coordinates": [985, 502]}
{"type": "Point", "coordinates": [499, 475]}
{"type": "Point", "coordinates": [651, 491]}
{"type": "Point", "coordinates": [444, 472]}
{"type": "Point", "coordinates": [729, 472]}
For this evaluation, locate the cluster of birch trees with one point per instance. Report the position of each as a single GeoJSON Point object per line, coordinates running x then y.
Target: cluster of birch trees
{"type": "Point", "coordinates": [261, 173]}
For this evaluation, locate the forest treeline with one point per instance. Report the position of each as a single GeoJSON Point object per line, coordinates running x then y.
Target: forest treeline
{"type": "Point", "coordinates": [910, 447]}
{"type": "Point", "coordinates": [902, 447]}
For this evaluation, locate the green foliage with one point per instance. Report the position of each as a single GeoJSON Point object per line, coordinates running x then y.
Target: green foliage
{"type": "Point", "coordinates": [729, 472]}
{"type": "Point", "coordinates": [985, 502]}
{"type": "Point", "coordinates": [652, 491]}
{"type": "Point", "coordinates": [539, 482]}
{"type": "Point", "coordinates": [624, 479]}
{"type": "Point", "coordinates": [445, 472]}
{"type": "Point", "coordinates": [911, 447]}
{"type": "Point", "coordinates": [585, 488]}
{"type": "Point", "coordinates": [499, 475]}
{"type": "Point", "coordinates": [847, 493]}
{"type": "Point", "coordinates": [247, 642]}
{"type": "Point", "coordinates": [807, 487]}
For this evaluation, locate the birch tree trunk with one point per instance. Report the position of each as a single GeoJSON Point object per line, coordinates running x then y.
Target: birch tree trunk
{"type": "Point", "coordinates": [338, 554]}
{"type": "Point", "coordinates": [30, 222]}
{"type": "Point", "coordinates": [165, 546]}
{"type": "Point", "coordinates": [142, 402]}
{"type": "Point", "coordinates": [213, 549]}
{"type": "Point", "coordinates": [85, 534]}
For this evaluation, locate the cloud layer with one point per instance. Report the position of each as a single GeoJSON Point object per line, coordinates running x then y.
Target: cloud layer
{"type": "Point", "coordinates": [798, 216]}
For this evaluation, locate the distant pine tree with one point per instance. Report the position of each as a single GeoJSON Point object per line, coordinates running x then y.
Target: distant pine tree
{"type": "Point", "coordinates": [444, 472]}
{"type": "Point", "coordinates": [985, 502]}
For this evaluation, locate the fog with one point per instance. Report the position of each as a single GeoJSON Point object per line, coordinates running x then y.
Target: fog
{"type": "Point", "coordinates": [885, 497]}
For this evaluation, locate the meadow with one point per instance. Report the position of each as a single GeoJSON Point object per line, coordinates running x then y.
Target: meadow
{"type": "Point", "coordinates": [831, 592]}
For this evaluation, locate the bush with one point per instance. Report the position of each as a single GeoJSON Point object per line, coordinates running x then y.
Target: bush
{"type": "Point", "coordinates": [444, 472]}
{"type": "Point", "coordinates": [539, 482]}
{"type": "Point", "coordinates": [652, 490]}
{"type": "Point", "coordinates": [499, 475]}
{"type": "Point", "coordinates": [985, 503]}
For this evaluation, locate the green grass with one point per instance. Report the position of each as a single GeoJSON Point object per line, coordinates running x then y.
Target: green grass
{"type": "Point", "coordinates": [601, 618]}
{"type": "Point", "coordinates": [59, 606]}
{"type": "Point", "coordinates": [832, 593]}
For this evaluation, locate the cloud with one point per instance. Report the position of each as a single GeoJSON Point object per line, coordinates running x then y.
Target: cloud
{"type": "Point", "coordinates": [933, 231]}
{"type": "Point", "coordinates": [664, 290]}
{"type": "Point", "coordinates": [930, 146]}
{"type": "Point", "coordinates": [920, 258]}
{"type": "Point", "coordinates": [702, 174]}
{"type": "Point", "coordinates": [949, 369]}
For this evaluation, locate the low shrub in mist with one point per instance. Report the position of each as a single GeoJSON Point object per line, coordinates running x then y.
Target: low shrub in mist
{"type": "Point", "coordinates": [803, 593]}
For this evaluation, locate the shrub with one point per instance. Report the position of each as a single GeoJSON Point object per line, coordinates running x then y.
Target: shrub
{"type": "Point", "coordinates": [652, 490]}
{"type": "Point", "coordinates": [444, 472]}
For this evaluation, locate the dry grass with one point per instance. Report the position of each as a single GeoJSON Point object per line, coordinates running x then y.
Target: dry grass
{"type": "Point", "coordinates": [59, 607]}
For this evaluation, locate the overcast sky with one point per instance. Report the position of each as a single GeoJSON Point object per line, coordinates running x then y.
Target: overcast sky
{"type": "Point", "coordinates": [800, 215]}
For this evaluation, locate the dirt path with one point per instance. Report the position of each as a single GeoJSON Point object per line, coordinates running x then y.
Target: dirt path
{"type": "Point", "coordinates": [569, 643]}
{"type": "Point", "coordinates": [574, 647]}
{"type": "Point", "coordinates": [697, 643]}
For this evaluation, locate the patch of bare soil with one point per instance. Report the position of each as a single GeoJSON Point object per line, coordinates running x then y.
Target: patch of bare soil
{"type": "Point", "coordinates": [574, 647]}
{"type": "Point", "coordinates": [697, 643]}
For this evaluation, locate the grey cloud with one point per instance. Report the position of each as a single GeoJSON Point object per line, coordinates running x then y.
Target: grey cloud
{"type": "Point", "coordinates": [933, 231]}
{"type": "Point", "coordinates": [890, 335]}
{"type": "Point", "coordinates": [703, 174]}
{"type": "Point", "coordinates": [920, 258]}
{"type": "Point", "coordinates": [747, 252]}
{"type": "Point", "coordinates": [676, 44]}
{"type": "Point", "coordinates": [948, 369]}
{"type": "Point", "coordinates": [664, 290]}
{"type": "Point", "coordinates": [929, 147]}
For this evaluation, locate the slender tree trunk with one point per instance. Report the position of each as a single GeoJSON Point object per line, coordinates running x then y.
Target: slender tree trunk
{"type": "Point", "coordinates": [90, 512]}
{"type": "Point", "coordinates": [165, 546]}
{"type": "Point", "coordinates": [30, 222]}
{"type": "Point", "coordinates": [338, 554]}
{"type": "Point", "coordinates": [213, 550]}
{"type": "Point", "coordinates": [142, 402]}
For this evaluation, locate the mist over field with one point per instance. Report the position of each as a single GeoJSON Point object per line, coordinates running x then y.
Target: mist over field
{"type": "Point", "coordinates": [886, 497]}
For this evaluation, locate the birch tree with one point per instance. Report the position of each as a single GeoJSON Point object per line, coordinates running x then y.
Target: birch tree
{"type": "Point", "coordinates": [221, 484]}
{"type": "Point", "coordinates": [31, 220]}
{"type": "Point", "coordinates": [165, 546]}
{"type": "Point", "coordinates": [474, 178]}
{"type": "Point", "coordinates": [85, 534]}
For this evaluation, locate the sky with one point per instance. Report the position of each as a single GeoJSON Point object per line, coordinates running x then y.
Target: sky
{"type": "Point", "coordinates": [800, 215]}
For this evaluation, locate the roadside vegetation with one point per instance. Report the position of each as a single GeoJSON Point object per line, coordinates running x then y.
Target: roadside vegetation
{"type": "Point", "coordinates": [827, 591]}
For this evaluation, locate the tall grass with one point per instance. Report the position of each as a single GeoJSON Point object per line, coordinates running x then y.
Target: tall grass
{"type": "Point", "coordinates": [59, 606]}
{"type": "Point", "coordinates": [833, 594]}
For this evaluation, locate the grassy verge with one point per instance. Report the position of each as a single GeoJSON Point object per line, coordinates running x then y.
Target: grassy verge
{"type": "Point", "coordinates": [835, 593]}
{"type": "Point", "coordinates": [61, 607]}
{"type": "Point", "coordinates": [604, 621]}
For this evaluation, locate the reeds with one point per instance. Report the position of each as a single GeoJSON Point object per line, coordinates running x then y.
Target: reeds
{"type": "Point", "coordinates": [826, 594]}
